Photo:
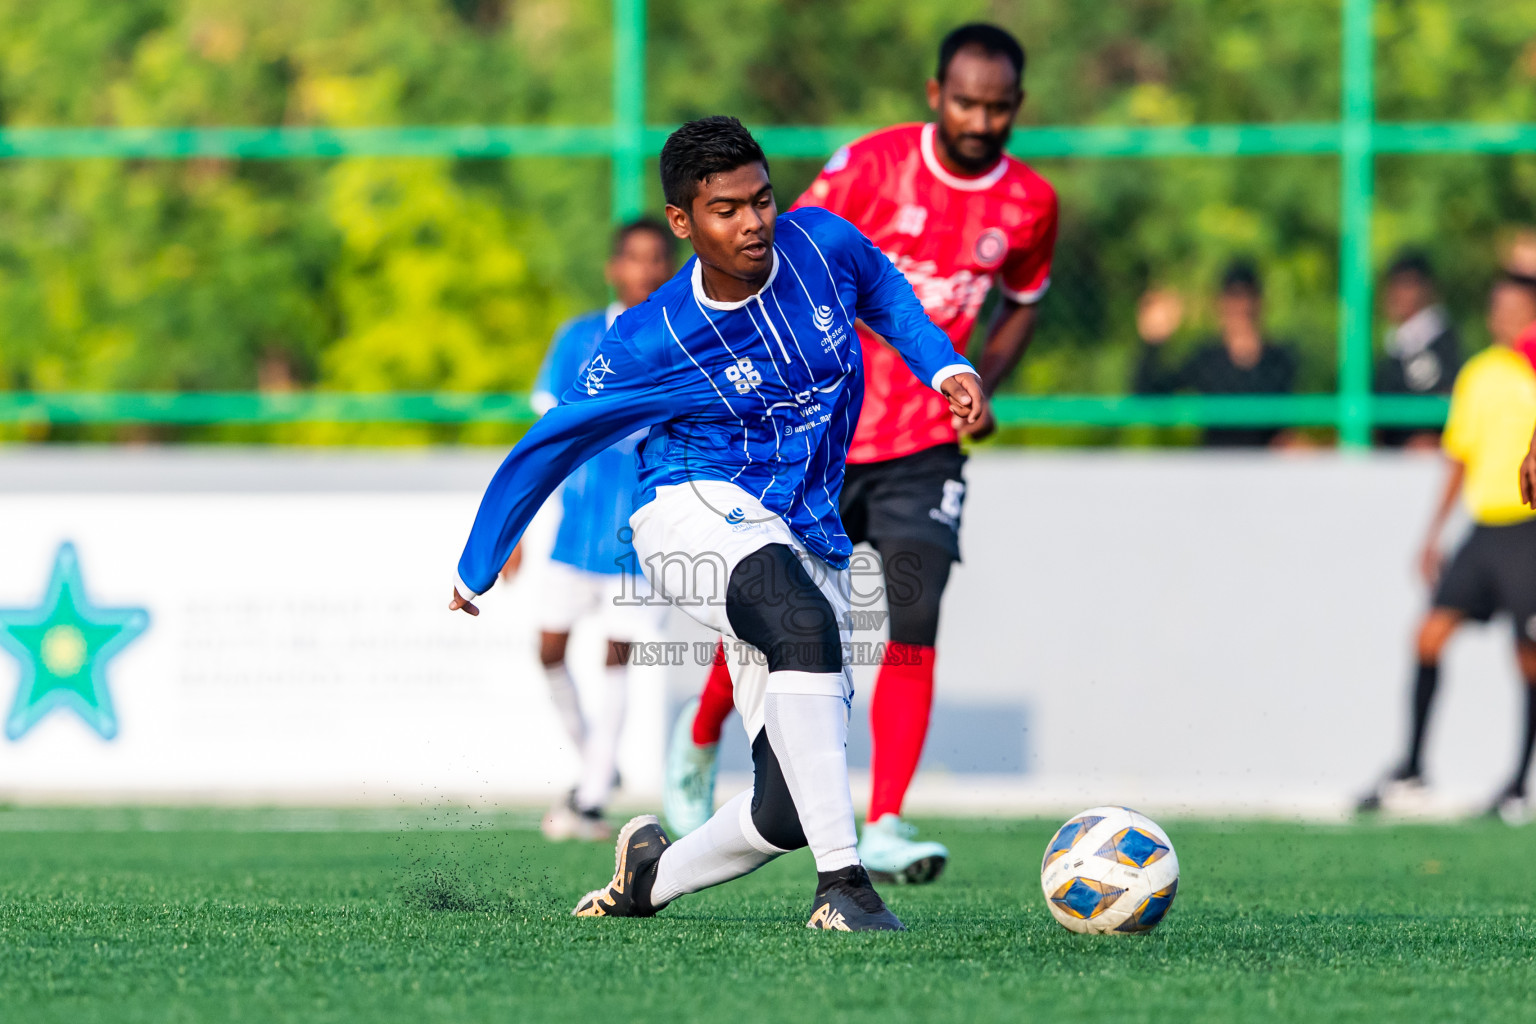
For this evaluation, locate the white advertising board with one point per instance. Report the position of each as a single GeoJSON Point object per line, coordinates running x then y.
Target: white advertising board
{"type": "Point", "coordinates": [1181, 631]}
{"type": "Point", "coordinates": [298, 648]}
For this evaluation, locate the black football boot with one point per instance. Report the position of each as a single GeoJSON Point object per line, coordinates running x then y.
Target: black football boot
{"type": "Point", "coordinates": [846, 901]}
{"type": "Point", "coordinates": [634, 872]}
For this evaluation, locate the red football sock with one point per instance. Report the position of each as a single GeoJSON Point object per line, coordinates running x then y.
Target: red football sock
{"type": "Point", "coordinates": [898, 719]}
{"type": "Point", "coordinates": [715, 702]}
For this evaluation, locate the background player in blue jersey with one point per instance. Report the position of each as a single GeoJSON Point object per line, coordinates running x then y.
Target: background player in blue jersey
{"type": "Point", "coordinates": [583, 578]}
{"type": "Point", "coordinates": [746, 368]}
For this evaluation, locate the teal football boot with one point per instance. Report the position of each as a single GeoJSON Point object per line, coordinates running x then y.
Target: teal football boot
{"type": "Point", "coordinates": [688, 792]}
{"type": "Point", "coordinates": [890, 850]}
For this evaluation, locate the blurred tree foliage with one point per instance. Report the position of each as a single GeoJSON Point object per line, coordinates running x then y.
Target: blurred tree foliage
{"type": "Point", "coordinates": [430, 273]}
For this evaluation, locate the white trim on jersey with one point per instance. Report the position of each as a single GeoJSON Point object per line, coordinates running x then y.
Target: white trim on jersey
{"type": "Point", "coordinates": [763, 308]}
{"type": "Point", "coordinates": [465, 590]}
{"type": "Point", "coordinates": [948, 372]}
{"type": "Point", "coordinates": [822, 256]}
{"type": "Point", "coordinates": [777, 441]}
{"type": "Point", "coordinates": [931, 160]}
{"type": "Point", "coordinates": [810, 301]}
{"type": "Point", "coordinates": [792, 336]}
{"type": "Point", "coordinates": [698, 286]}
{"type": "Point", "coordinates": [831, 501]}
{"type": "Point", "coordinates": [713, 386]}
{"type": "Point", "coordinates": [847, 427]}
{"type": "Point", "coordinates": [1026, 298]}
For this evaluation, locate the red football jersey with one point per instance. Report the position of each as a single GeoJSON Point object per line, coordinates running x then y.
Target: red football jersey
{"type": "Point", "coordinates": [951, 237]}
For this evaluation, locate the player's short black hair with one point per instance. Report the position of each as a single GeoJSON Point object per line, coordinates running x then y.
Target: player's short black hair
{"type": "Point", "coordinates": [992, 40]}
{"type": "Point", "coordinates": [710, 145]}
{"type": "Point", "coordinates": [1241, 275]}
{"type": "Point", "coordinates": [641, 224]}
{"type": "Point", "coordinates": [1412, 263]}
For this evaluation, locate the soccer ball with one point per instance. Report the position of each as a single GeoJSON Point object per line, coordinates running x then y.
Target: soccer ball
{"type": "Point", "coordinates": [1109, 870]}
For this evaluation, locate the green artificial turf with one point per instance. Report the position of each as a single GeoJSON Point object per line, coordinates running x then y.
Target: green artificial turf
{"type": "Point", "coordinates": [182, 916]}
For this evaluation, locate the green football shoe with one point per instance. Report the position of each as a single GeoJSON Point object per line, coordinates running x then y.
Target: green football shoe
{"type": "Point", "coordinates": [688, 792]}
{"type": "Point", "coordinates": [891, 852]}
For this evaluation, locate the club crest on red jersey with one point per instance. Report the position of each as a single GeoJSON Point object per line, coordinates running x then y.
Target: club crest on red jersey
{"type": "Point", "coordinates": [991, 247]}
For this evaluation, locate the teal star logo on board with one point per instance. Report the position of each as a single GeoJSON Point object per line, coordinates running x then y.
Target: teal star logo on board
{"type": "Point", "coordinates": [64, 645]}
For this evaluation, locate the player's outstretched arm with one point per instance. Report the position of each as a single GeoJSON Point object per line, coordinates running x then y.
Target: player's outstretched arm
{"type": "Point", "coordinates": [596, 411]}
{"type": "Point", "coordinates": [509, 570]}
{"type": "Point", "coordinates": [889, 306]}
{"type": "Point", "coordinates": [1528, 474]}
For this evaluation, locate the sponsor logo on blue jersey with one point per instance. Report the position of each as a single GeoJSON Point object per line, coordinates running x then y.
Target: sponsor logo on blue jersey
{"type": "Point", "coordinates": [598, 370]}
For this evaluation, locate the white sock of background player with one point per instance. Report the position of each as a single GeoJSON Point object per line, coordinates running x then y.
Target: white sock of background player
{"type": "Point", "coordinates": [600, 754]}
{"type": "Point", "coordinates": [562, 691]}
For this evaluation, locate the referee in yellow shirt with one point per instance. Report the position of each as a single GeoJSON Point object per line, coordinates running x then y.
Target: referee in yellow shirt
{"type": "Point", "coordinates": [1493, 407]}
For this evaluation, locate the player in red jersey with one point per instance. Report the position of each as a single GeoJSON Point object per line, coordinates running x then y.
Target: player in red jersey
{"type": "Point", "coordinates": [957, 216]}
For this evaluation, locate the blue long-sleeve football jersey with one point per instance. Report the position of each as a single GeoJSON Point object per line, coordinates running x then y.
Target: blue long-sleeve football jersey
{"type": "Point", "coordinates": [763, 393]}
{"type": "Point", "coordinates": [599, 495]}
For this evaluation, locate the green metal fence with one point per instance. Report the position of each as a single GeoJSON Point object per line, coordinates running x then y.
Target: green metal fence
{"type": "Point", "coordinates": [1356, 138]}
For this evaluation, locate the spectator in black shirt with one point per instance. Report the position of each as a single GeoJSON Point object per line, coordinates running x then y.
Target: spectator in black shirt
{"type": "Point", "coordinates": [1238, 362]}
{"type": "Point", "coordinates": [1423, 351]}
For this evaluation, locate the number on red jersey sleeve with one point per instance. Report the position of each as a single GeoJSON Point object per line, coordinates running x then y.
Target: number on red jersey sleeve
{"type": "Point", "coordinates": [834, 188]}
{"type": "Point", "coordinates": [1026, 274]}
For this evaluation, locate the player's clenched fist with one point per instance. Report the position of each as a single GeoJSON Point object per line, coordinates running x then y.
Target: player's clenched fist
{"type": "Point", "coordinates": [966, 401]}
{"type": "Point", "coordinates": [462, 603]}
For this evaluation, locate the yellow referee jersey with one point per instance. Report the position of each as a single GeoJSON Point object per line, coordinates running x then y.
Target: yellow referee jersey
{"type": "Point", "coordinates": [1493, 408]}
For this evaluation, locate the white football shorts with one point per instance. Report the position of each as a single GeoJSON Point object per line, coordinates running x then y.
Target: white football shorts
{"type": "Point", "coordinates": [621, 605]}
{"type": "Point", "coordinates": [690, 538]}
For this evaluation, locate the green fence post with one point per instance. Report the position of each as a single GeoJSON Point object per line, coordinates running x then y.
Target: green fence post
{"type": "Point", "coordinates": [1356, 193]}
{"type": "Point", "coordinates": [628, 108]}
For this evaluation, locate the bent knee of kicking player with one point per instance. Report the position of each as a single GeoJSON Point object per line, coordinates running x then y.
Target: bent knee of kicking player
{"type": "Point", "coordinates": [773, 604]}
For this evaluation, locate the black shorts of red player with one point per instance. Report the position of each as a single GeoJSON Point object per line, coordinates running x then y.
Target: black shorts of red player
{"type": "Point", "coordinates": [908, 508]}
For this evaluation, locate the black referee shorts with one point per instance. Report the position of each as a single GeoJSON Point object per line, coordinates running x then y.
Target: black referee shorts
{"type": "Point", "coordinates": [1494, 571]}
{"type": "Point", "coordinates": [912, 498]}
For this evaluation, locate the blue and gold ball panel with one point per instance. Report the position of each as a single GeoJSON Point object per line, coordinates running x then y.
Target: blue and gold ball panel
{"type": "Point", "coordinates": [1065, 836]}
{"type": "Point", "coordinates": [1085, 898]}
{"type": "Point", "coordinates": [1145, 917]}
{"type": "Point", "coordinates": [1134, 848]}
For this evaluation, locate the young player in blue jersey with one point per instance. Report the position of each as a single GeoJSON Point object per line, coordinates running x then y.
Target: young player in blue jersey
{"type": "Point", "coordinates": [583, 578]}
{"type": "Point", "coordinates": [745, 366]}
